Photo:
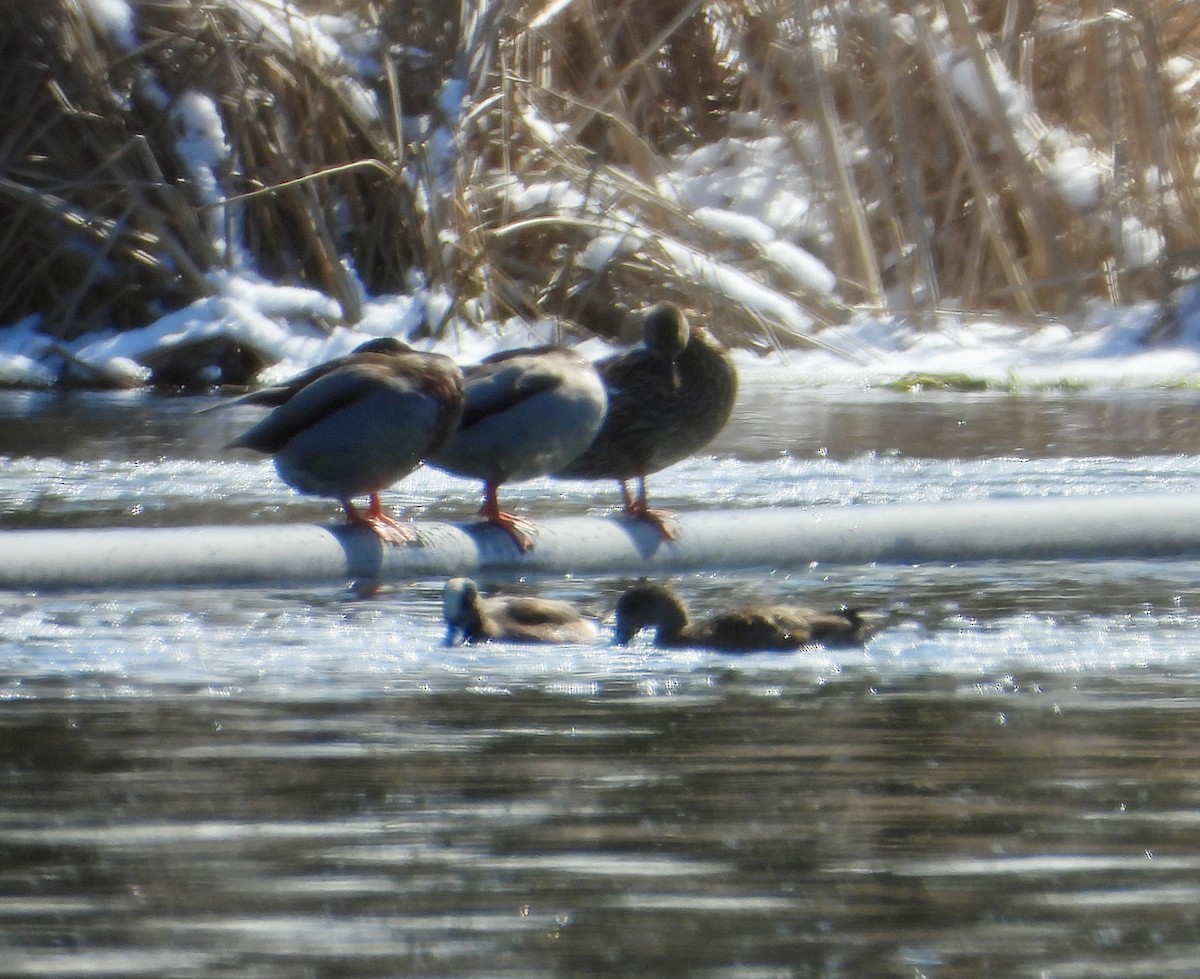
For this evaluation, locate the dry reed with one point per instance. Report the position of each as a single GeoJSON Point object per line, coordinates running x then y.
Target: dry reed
{"type": "Point", "coordinates": [943, 146]}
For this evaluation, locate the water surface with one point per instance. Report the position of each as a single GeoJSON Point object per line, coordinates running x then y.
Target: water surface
{"type": "Point", "coordinates": [304, 782]}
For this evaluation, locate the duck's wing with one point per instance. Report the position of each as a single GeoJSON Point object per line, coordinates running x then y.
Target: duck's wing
{"type": "Point", "coordinates": [276, 394]}
{"type": "Point", "coordinates": [759, 627]}
{"type": "Point", "coordinates": [374, 351]}
{"type": "Point", "coordinates": [638, 385]}
{"type": "Point", "coordinates": [499, 384]}
{"type": "Point", "coordinates": [325, 397]}
{"type": "Point", "coordinates": [534, 611]}
{"type": "Point", "coordinates": [635, 370]}
{"type": "Point", "coordinates": [269, 397]}
{"type": "Point", "coordinates": [543, 620]}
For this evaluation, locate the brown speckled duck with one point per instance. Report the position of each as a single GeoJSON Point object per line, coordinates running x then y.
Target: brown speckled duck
{"type": "Point", "coordinates": [743, 630]}
{"type": "Point", "coordinates": [473, 618]}
{"type": "Point", "coordinates": [526, 413]}
{"type": "Point", "coordinates": [667, 399]}
{"type": "Point", "coordinates": [355, 428]}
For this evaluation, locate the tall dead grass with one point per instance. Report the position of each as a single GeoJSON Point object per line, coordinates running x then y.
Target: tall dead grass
{"type": "Point", "coordinates": [944, 146]}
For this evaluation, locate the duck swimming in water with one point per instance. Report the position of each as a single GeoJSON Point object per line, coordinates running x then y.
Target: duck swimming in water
{"type": "Point", "coordinates": [355, 428]}
{"type": "Point", "coordinates": [667, 399]}
{"type": "Point", "coordinates": [525, 414]}
{"type": "Point", "coordinates": [744, 630]}
{"type": "Point", "coordinates": [473, 618]}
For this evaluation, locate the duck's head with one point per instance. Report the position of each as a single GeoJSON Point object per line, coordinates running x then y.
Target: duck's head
{"type": "Point", "coordinates": [460, 608]}
{"type": "Point", "coordinates": [665, 332]}
{"type": "Point", "coordinates": [649, 605]}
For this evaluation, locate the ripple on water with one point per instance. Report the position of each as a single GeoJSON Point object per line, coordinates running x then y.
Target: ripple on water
{"type": "Point", "coordinates": [277, 782]}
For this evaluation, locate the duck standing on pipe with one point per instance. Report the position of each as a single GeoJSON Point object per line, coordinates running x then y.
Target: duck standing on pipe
{"type": "Point", "coordinates": [526, 413]}
{"type": "Point", "coordinates": [667, 399]}
{"type": "Point", "coordinates": [356, 427]}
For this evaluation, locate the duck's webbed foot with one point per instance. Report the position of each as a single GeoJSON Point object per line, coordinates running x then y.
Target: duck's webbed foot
{"type": "Point", "coordinates": [388, 529]}
{"type": "Point", "coordinates": [639, 509]}
{"type": "Point", "coordinates": [518, 528]}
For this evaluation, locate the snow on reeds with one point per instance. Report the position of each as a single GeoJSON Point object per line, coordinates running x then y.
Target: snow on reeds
{"type": "Point", "coordinates": [233, 167]}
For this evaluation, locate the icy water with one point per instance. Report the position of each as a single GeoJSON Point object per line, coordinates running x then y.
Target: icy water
{"type": "Point", "coordinates": [267, 782]}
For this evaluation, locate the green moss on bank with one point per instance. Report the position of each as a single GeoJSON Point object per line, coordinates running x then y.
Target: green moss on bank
{"type": "Point", "coordinates": [919, 381]}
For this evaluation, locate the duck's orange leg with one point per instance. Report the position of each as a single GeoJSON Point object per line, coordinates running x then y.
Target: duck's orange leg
{"type": "Point", "coordinates": [386, 528]}
{"type": "Point", "coordinates": [640, 509]}
{"type": "Point", "coordinates": [516, 528]}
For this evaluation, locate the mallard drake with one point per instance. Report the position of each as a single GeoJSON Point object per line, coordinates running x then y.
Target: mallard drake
{"type": "Point", "coordinates": [526, 413]}
{"type": "Point", "coordinates": [743, 630]}
{"type": "Point", "coordinates": [473, 618]}
{"type": "Point", "coordinates": [356, 428]}
{"type": "Point", "coordinates": [667, 399]}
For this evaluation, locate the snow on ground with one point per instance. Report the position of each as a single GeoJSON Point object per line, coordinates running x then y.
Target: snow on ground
{"type": "Point", "coordinates": [748, 190]}
{"type": "Point", "coordinates": [1104, 350]}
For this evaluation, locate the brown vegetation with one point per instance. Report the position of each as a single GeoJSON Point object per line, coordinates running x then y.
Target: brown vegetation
{"type": "Point", "coordinates": [934, 139]}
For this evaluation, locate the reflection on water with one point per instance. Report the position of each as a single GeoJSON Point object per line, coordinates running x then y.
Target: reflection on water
{"type": "Point", "coordinates": [1042, 824]}
{"type": "Point", "coordinates": [303, 782]}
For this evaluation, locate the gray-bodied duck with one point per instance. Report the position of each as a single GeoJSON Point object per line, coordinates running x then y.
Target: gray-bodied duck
{"type": "Point", "coordinates": [526, 413]}
{"type": "Point", "coordinates": [472, 618]}
{"type": "Point", "coordinates": [357, 427]}
{"type": "Point", "coordinates": [667, 399]}
{"type": "Point", "coordinates": [749, 629]}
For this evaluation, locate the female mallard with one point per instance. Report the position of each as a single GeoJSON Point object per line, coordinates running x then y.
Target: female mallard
{"type": "Point", "coordinates": [473, 618]}
{"type": "Point", "coordinates": [359, 426]}
{"type": "Point", "coordinates": [666, 399]}
{"type": "Point", "coordinates": [742, 630]}
{"type": "Point", "coordinates": [526, 413]}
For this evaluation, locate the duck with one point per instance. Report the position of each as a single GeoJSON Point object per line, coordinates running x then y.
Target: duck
{"type": "Point", "coordinates": [667, 398]}
{"type": "Point", "coordinates": [360, 425]}
{"type": "Point", "coordinates": [748, 629]}
{"type": "Point", "coordinates": [526, 413]}
{"type": "Point", "coordinates": [472, 618]}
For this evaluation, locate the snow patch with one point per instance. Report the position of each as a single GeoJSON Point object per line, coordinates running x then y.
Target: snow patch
{"type": "Point", "coordinates": [114, 18]}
